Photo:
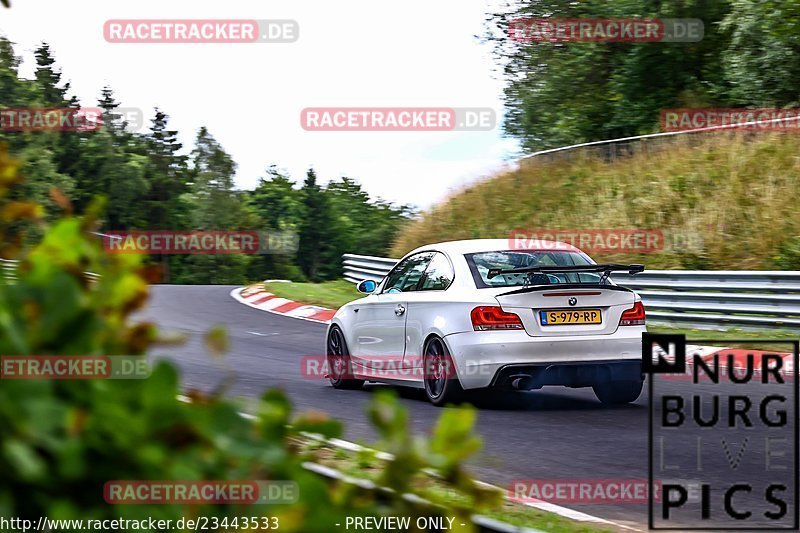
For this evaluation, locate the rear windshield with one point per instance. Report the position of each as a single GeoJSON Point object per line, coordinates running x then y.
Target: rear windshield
{"type": "Point", "coordinates": [480, 263]}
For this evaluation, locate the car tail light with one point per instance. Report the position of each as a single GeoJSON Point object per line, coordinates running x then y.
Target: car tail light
{"type": "Point", "coordinates": [491, 317]}
{"type": "Point", "coordinates": [634, 316]}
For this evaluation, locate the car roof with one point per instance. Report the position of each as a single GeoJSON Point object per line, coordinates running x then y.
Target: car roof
{"type": "Point", "coordinates": [469, 246]}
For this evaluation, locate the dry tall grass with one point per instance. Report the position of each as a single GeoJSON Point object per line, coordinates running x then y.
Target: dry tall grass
{"type": "Point", "coordinates": [737, 193]}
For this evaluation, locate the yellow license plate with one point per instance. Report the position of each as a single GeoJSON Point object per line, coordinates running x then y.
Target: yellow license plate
{"type": "Point", "coordinates": [565, 317]}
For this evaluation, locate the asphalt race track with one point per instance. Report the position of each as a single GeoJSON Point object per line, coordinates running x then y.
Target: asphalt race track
{"type": "Point", "coordinates": [552, 434]}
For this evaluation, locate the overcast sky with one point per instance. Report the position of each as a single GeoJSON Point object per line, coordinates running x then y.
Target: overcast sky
{"type": "Point", "coordinates": [418, 53]}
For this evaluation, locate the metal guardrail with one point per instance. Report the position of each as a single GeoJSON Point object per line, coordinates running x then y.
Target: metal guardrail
{"type": "Point", "coordinates": [360, 267]}
{"type": "Point", "coordinates": [8, 267]}
{"type": "Point", "coordinates": [8, 272]}
{"type": "Point", "coordinates": [714, 299]}
{"type": "Point", "coordinates": [626, 146]}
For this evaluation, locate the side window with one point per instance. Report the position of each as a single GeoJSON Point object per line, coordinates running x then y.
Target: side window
{"type": "Point", "coordinates": [439, 274]}
{"type": "Point", "coordinates": [406, 275]}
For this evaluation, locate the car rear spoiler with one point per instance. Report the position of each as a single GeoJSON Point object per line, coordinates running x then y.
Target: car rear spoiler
{"type": "Point", "coordinates": [606, 269]}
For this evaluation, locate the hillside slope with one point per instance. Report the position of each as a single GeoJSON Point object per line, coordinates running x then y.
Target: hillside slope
{"type": "Point", "coordinates": [726, 201]}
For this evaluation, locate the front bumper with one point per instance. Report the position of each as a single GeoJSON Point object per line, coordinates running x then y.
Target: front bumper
{"type": "Point", "coordinates": [486, 358]}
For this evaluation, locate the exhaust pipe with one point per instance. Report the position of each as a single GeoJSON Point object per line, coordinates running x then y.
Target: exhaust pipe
{"type": "Point", "coordinates": [520, 381]}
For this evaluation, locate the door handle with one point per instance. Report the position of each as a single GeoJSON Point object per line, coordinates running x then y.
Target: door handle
{"type": "Point", "coordinates": [399, 310]}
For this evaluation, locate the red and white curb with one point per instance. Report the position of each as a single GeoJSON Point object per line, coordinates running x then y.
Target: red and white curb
{"type": "Point", "coordinates": [256, 297]}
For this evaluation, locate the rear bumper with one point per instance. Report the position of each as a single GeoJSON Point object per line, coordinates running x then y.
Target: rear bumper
{"type": "Point", "coordinates": [486, 358]}
{"type": "Point", "coordinates": [582, 374]}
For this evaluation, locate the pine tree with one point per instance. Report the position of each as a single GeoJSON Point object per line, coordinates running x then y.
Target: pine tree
{"type": "Point", "coordinates": [10, 84]}
{"type": "Point", "coordinates": [216, 204]}
{"type": "Point", "coordinates": [277, 204]}
{"type": "Point", "coordinates": [316, 252]}
{"type": "Point", "coordinates": [276, 200]}
{"type": "Point", "coordinates": [14, 92]}
{"type": "Point", "coordinates": [48, 79]}
{"type": "Point", "coordinates": [66, 146]}
{"type": "Point", "coordinates": [167, 175]}
{"type": "Point", "coordinates": [111, 119]}
{"type": "Point", "coordinates": [164, 207]}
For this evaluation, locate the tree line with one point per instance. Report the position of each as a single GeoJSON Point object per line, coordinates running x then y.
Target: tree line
{"type": "Point", "coordinates": [147, 181]}
{"type": "Point", "coordinates": [563, 93]}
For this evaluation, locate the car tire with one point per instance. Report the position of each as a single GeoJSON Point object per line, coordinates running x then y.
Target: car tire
{"type": "Point", "coordinates": [340, 368]}
{"type": "Point", "coordinates": [618, 392]}
{"type": "Point", "coordinates": [439, 374]}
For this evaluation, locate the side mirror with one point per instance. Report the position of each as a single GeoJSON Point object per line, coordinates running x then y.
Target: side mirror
{"type": "Point", "coordinates": [367, 286]}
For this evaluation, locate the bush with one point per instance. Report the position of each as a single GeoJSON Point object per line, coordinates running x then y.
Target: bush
{"type": "Point", "coordinates": [788, 255]}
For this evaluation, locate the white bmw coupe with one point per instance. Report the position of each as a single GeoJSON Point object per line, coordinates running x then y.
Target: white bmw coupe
{"type": "Point", "coordinates": [475, 314]}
